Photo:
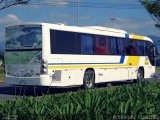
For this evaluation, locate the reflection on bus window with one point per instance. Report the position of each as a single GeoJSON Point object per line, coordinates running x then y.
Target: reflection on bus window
{"type": "Point", "coordinates": [102, 45]}
{"type": "Point", "coordinates": [150, 52]}
{"type": "Point", "coordinates": [87, 46]}
{"type": "Point", "coordinates": [24, 38]}
{"type": "Point", "coordinates": [140, 48]}
{"type": "Point", "coordinates": [130, 47]}
{"type": "Point", "coordinates": [120, 46]}
{"type": "Point", "coordinates": [113, 46]}
{"type": "Point", "coordinates": [63, 42]}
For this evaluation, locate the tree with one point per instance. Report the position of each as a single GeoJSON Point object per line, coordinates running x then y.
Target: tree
{"type": "Point", "coordinates": [153, 8]}
{"type": "Point", "coordinates": [7, 3]}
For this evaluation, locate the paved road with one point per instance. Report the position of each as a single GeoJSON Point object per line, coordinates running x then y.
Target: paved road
{"type": "Point", "coordinates": [6, 92]}
{"type": "Point", "coordinates": [13, 92]}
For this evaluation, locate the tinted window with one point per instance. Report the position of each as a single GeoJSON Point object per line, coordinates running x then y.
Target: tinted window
{"type": "Point", "coordinates": [150, 52]}
{"type": "Point", "coordinates": [102, 45]}
{"type": "Point", "coordinates": [145, 48]}
{"type": "Point", "coordinates": [87, 43]}
{"type": "Point", "coordinates": [113, 46]}
{"type": "Point", "coordinates": [140, 47]}
{"type": "Point", "coordinates": [63, 42]}
{"type": "Point", "coordinates": [24, 37]}
{"type": "Point", "coordinates": [127, 47]}
{"type": "Point", "coordinates": [130, 47]}
{"type": "Point", "coordinates": [120, 46]}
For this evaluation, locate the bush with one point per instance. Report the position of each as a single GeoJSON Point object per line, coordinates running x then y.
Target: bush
{"type": "Point", "coordinates": [131, 101]}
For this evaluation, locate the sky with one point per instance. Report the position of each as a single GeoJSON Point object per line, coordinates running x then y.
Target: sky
{"type": "Point", "coordinates": [128, 15]}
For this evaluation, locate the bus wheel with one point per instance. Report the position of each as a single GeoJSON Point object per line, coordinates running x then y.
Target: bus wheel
{"type": "Point", "coordinates": [140, 75]}
{"type": "Point", "coordinates": [109, 84]}
{"type": "Point", "coordinates": [89, 79]}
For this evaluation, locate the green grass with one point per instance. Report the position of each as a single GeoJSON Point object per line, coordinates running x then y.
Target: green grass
{"type": "Point", "coordinates": [158, 69]}
{"type": "Point", "coordinates": [135, 101]}
{"type": "Point", "coordinates": [1, 74]}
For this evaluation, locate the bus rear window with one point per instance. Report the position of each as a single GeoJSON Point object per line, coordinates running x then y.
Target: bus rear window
{"type": "Point", "coordinates": [23, 37]}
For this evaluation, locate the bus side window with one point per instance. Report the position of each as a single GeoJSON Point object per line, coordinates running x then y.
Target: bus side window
{"type": "Point", "coordinates": [139, 51]}
{"type": "Point", "coordinates": [63, 42]}
{"type": "Point", "coordinates": [130, 47]}
{"type": "Point", "coordinates": [120, 46]}
{"type": "Point", "coordinates": [102, 45]}
{"type": "Point", "coordinates": [145, 48]}
{"type": "Point", "coordinates": [127, 47]}
{"type": "Point", "coordinates": [141, 47]}
{"type": "Point", "coordinates": [133, 47]}
{"type": "Point", "coordinates": [87, 44]}
{"type": "Point", "coordinates": [113, 46]}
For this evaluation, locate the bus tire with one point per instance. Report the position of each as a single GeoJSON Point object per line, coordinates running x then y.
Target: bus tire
{"type": "Point", "coordinates": [109, 84]}
{"type": "Point", "coordinates": [89, 79]}
{"type": "Point", "coordinates": [140, 75]}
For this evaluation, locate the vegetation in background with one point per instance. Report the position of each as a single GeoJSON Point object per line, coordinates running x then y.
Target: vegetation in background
{"type": "Point", "coordinates": [153, 8]}
{"type": "Point", "coordinates": [158, 69]}
{"type": "Point", "coordinates": [8, 3]}
{"type": "Point", "coordinates": [135, 101]}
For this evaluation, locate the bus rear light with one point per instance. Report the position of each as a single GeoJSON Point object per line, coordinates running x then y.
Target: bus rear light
{"type": "Point", "coordinates": [43, 71]}
{"type": "Point", "coordinates": [44, 67]}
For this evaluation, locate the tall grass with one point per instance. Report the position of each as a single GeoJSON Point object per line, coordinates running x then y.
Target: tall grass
{"type": "Point", "coordinates": [131, 101]}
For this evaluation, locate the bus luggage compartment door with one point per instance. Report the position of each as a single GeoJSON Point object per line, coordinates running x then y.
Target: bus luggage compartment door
{"type": "Point", "coordinates": [55, 69]}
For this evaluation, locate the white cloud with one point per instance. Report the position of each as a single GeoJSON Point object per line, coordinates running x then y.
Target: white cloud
{"type": "Point", "coordinates": [85, 17]}
{"type": "Point", "coordinates": [59, 18]}
{"type": "Point", "coordinates": [137, 26]}
{"type": "Point", "coordinates": [41, 3]}
{"type": "Point", "coordinates": [57, 2]}
{"type": "Point", "coordinates": [66, 18]}
{"type": "Point", "coordinates": [9, 19]}
{"type": "Point", "coordinates": [120, 1]}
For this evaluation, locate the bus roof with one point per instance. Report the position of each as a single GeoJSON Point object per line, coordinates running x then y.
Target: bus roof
{"type": "Point", "coordinates": [87, 29]}
{"type": "Point", "coordinates": [105, 29]}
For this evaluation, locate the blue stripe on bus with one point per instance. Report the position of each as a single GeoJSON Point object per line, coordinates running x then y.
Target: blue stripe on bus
{"type": "Point", "coordinates": [120, 62]}
{"type": "Point", "coordinates": [122, 59]}
{"type": "Point", "coordinates": [126, 35]}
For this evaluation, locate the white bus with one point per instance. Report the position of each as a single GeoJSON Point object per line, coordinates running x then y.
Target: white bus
{"type": "Point", "coordinates": [56, 55]}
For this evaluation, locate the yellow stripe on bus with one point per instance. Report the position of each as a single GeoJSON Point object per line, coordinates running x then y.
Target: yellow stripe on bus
{"type": "Point", "coordinates": [137, 37]}
{"type": "Point", "coordinates": [133, 61]}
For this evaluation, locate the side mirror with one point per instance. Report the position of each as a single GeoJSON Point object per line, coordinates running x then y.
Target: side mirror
{"type": "Point", "coordinates": [155, 51]}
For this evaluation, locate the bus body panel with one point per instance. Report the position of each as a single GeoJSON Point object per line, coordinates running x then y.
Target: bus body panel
{"type": "Point", "coordinates": [65, 70]}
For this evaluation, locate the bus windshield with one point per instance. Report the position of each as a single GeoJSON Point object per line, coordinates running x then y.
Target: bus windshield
{"type": "Point", "coordinates": [23, 37]}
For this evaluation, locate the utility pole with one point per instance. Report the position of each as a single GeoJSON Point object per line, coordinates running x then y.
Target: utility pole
{"type": "Point", "coordinates": [112, 19]}
{"type": "Point", "coordinates": [77, 12]}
